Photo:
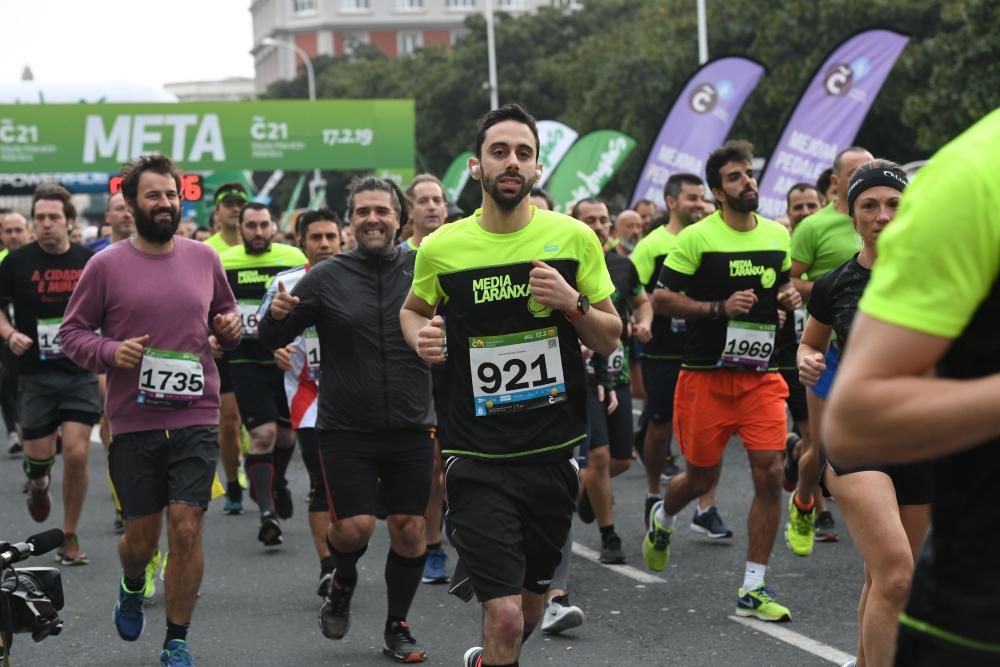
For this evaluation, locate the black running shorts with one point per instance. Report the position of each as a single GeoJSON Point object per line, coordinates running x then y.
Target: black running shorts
{"type": "Point", "coordinates": [260, 394]}
{"type": "Point", "coordinates": [353, 464]}
{"type": "Point", "coordinates": [659, 377]}
{"type": "Point", "coordinates": [614, 430]}
{"type": "Point", "coordinates": [797, 406]}
{"type": "Point", "coordinates": [309, 444]}
{"type": "Point", "coordinates": [225, 381]}
{"type": "Point", "coordinates": [152, 469]}
{"type": "Point", "coordinates": [508, 522]}
{"type": "Point", "coordinates": [50, 398]}
{"type": "Point", "coordinates": [912, 481]}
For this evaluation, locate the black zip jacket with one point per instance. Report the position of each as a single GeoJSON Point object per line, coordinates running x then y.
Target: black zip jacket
{"type": "Point", "coordinates": [370, 379]}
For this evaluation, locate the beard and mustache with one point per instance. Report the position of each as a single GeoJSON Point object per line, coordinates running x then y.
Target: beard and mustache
{"type": "Point", "coordinates": [153, 230]}
{"type": "Point", "coordinates": [502, 199]}
{"type": "Point", "coordinates": [743, 204]}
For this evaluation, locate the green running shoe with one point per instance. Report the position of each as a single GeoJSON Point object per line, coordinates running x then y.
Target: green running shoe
{"type": "Point", "coordinates": [800, 531]}
{"type": "Point", "coordinates": [656, 546]}
{"type": "Point", "coordinates": [149, 590]}
{"type": "Point", "coordinates": [759, 603]}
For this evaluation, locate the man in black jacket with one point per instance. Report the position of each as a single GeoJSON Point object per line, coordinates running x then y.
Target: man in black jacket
{"type": "Point", "coordinates": [375, 407]}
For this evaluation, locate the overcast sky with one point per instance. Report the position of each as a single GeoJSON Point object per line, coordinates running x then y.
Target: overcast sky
{"type": "Point", "coordinates": [149, 41]}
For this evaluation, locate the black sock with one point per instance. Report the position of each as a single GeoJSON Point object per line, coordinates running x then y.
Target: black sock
{"type": "Point", "coordinates": [282, 457]}
{"type": "Point", "coordinates": [176, 631]}
{"type": "Point", "coordinates": [402, 579]}
{"type": "Point", "coordinates": [326, 564]}
{"type": "Point", "coordinates": [346, 566]}
{"type": "Point", "coordinates": [136, 585]}
{"type": "Point", "coordinates": [432, 547]}
{"type": "Point", "coordinates": [260, 472]}
{"type": "Point", "coordinates": [233, 487]}
{"type": "Point", "coordinates": [607, 531]}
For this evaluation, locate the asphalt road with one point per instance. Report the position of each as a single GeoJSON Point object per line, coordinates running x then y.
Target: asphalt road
{"type": "Point", "coordinates": [258, 607]}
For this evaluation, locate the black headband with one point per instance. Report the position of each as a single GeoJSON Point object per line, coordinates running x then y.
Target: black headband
{"type": "Point", "coordinates": [872, 179]}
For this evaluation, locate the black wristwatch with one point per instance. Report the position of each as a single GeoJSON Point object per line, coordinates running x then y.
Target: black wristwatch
{"type": "Point", "coordinates": [582, 307]}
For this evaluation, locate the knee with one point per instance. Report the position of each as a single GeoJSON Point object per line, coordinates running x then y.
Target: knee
{"type": "Point", "coordinates": [700, 484]}
{"type": "Point", "coordinates": [352, 533]}
{"type": "Point", "coordinates": [767, 477]}
{"type": "Point", "coordinates": [504, 620]}
{"type": "Point", "coordinates": [407, 534]}
{"type": "Point", "coordinates": [185, 531]}
{"type": "Point", "coordinates": [894, 586]}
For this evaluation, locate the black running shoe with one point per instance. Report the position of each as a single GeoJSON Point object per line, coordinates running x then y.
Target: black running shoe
{"type": "Point", "coordinates": [826, 528]}
{"type": "Point", "coordinates": [400, 644]}
{"type": "Point", "coordinates": [584, 509]}
{"type": "Point", "coordinates": [710, 524]}
{"type": "Point", "coordinates": [324, 584]}
{"type": "Point", "coordinates": [791, 468]}
{"type": "Point", "coordinates": [270, 530]}
{"type": "Point", "coordinates": [611, 550]}
{"type": "Point", "coordinates": [335, 614]}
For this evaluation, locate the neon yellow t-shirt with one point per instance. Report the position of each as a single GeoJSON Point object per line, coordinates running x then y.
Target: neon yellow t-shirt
{"type": "Point", "coordinates": [518, 388]}
{"type": "Point", "coordinates": [824, 240]}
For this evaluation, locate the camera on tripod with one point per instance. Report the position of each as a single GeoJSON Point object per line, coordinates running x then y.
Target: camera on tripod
{"type": "Point", "coordinates": [31, 597]}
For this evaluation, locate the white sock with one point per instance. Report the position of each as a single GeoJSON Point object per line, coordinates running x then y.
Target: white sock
{"type": "Point", "coordinates": [666, 520]}
{"type": "Point", "coordinates": [654, 495]}
{"type": "Point", "coordinates": [699, 510]}
{"type": "Point", "coordinates": [753, 575]}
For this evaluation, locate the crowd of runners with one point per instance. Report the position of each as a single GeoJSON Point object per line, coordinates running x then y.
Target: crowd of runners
{"type": "Point", "coordinates": [474, 376]}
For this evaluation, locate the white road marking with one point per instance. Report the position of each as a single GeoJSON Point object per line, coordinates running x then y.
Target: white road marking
{"type": "Point", "coordinates": [624, 570]}
{"type": "Point", "coordinates": [781, 633]}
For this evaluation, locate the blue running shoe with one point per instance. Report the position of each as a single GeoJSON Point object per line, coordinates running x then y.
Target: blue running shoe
{"type": "Point", "coordinates": [176, 654]}
{"type": "Point", "coordinates": [436, 567]}
{"type": "Point", "coordinates": [128, 613]}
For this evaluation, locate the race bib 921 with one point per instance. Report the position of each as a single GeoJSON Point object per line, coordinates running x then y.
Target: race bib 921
{"type": "Point", "coordinates": [516, 372]}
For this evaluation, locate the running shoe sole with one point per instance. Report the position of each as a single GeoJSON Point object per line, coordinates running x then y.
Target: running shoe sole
{"type": "Point", "coordinates": [270, 534]}
{"type": "Point", "coordinates": [572, 618]}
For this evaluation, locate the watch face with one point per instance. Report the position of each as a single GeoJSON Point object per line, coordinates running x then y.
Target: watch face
{"type": "Point", "coordinates": [583, 303]}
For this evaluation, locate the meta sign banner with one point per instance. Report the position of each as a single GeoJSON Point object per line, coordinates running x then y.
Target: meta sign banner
{"type": "Point", "coordinates": [829, 114]}
{"type": "Point", "coordinates": [698, 123]}
{"type": "Point", "coordinates": [210, 136]}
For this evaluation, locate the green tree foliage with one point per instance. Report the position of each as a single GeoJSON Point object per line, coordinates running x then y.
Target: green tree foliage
{"type": "Point", "coordinates": [620, 64]}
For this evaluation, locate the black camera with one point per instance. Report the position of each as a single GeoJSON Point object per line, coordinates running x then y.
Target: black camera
{"type": "Point", "coordinates": [31, 597]}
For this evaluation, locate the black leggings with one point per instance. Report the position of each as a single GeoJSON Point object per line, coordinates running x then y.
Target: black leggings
{"type": "Point", "coordinates": [309, 444]}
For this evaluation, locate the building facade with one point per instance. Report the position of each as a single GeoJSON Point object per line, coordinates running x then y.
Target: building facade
{"type": "Point", "coordinates": [335, 27]}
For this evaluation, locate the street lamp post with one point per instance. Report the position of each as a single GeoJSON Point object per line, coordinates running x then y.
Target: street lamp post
{"type": "Point", "coordinates": [317, 181]}
{"type": "Point", "coordinates": [491, 55]}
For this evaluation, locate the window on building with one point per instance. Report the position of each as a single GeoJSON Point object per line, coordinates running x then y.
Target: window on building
{"type": "Point", "coordinates": [409, 5]}
{"type": "Point", "coordinates": [353, 40]}
{"type": "Point", "coordinates": [355, 5]}
{"type": "Point", "coordinates": [512, 4]}
{"type": "Point", "coordinates": [409, 41]}
{"type": "Point", "coordinates": [304, 7]}
{"type": "Point", "coordinates": [460, 4]}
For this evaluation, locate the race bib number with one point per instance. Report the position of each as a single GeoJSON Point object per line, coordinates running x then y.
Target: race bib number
{"type": "Point", "coordinates": [748, 345]}
{"type": "Point", "coordinates": [311, 339]}
{"type": "Point", "coordinates": [48, 339]}
{"type": "Point", "coordinates": [616, 363]}
{"type": "Point", "coordinates": [800, 323]}
{"type": "Point", "coordinates": [516, 372]}
{"type": "Point", "coordinates": [678, 325]}
{"type": "Point", "coordinates": [171, 379]}
{"type": "Point", "coordinates": [248, 316]}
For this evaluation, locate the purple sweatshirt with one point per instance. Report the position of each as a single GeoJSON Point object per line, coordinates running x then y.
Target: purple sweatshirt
{"type": "Point", "coordinates": [126, 293]}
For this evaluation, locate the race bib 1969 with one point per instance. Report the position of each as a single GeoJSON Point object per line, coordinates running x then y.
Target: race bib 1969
{"type": "Point", "coordinates": [48, 339]}
{"type": "Point", "coordinates": [248, 316]}
{"type": "Point", "coordinates": [516, 372]}
{"type": "Point", "coordinates": [171, 379]}
{"type": "Point", "coordinates": [748, 345]}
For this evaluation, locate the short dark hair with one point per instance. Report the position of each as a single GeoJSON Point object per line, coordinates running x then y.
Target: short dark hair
{"type": "Point", "coordinates": [823, 182]}
{"type": "Point", "coordinates": [319, 215]}
{"type": "Point", "coordinates": [538, 192]}
{"type": "Point", "coordinates": [253, 206]}
{"type": "Point", "coordinates": [133, 171]}
{"type": "Point", "coordinates": [374, 183]}
{"type": "Point", "coordinates": [514, 112]}
{"type": "Point", "coordinates": [734, 150]}
{"type": "Point", "coordinates": [673, 186]}
{"type": "Point", "coordinates": [798, 187]}
{"type": "Point", "coordinates": [575, 213]}
{"type": "Point", "coordinates": [55, 192]}
{"type": "Point", "coordinates": [646, 201]}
